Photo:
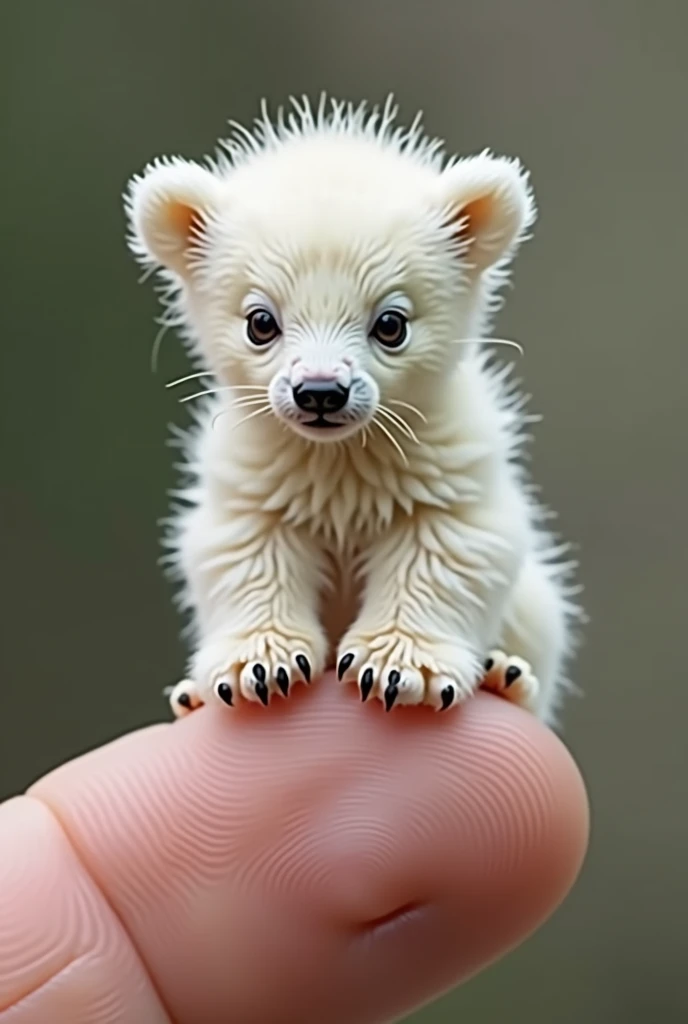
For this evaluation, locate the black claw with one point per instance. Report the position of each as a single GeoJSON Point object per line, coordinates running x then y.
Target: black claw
{"type": "Point", "coordinates": [345, 663]}
{"type": "Point", "coordinates": [391, 694]}
{"type": "Point", "coordinates": [304, 665]}
{"type": "Point", "coordinates": [262, 693]}
{"type": "Point", "coordinates": [259, 672]}
{"type": "Point", "coordinates": [511, 675]}
{"type": "Point", "coordinates": [184, 700]}
{"type": "Point", "coordinates": [394, 678]}
{"type": "Point", "coordinates": [283, 681]}
{"type": "Point", "coordinates": [224, 692]}
{"type": "Point", "coordinates": [489, 664]}
{"type": "Point", "coordinates": [447, 696]}
{"type": "Point", "coordinates": [366, 684]}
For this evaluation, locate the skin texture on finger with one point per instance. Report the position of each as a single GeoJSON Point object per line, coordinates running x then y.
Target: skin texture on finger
{"type": "Point", "coordinates": [323, 860]}
{"type": "Point", "coordinates": [64, 955]}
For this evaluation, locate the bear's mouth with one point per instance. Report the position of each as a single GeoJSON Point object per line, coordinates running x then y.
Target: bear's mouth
{"type": "Point", "coordinates": [323, 428]}
{"type": "Point", "coordinates": [322, 423]}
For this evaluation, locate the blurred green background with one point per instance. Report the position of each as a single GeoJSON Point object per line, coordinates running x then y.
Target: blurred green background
{"type": "Point", "coordinates": [593, 96]}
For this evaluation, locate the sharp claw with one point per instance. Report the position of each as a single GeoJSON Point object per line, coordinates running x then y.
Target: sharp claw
{"type": "Point", "coordinates": [283, 681]}
{"type": "Point", "coordinates": [391, 694]}
{"type": "Point", "coordinates": [489, 665]}
{"type": "Point", "coordinates": [394, 678]}
{"type": "Point", "coordinates": [511, 675]}
{"type": "Point", "coordinates": [304, 665]}
{"type": "Point", "coordinates": [259, 672]}
{"type": "Point", "coordinates": [262, 693]}
{"type": "Point", "coordinates": [345, 663]}
{"type": "Point", "coordinates": [447, 696]}
{"type": "Point", "coordinates": [366, 684]}
{"type": "Point", "coordinates": [224, 692]}
{"type": "Point", "coordinates": [184, 700]}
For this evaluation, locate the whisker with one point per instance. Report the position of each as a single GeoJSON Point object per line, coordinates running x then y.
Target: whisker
{"type": "Point", "coordinates": [257, 412]}
{"type": "Point", "coordinates": [156, 346]}
{"type": "Point", "coordinates": [411, 408]}
{"type": "Point", "coordinates": [198, 394]}
{"type": "Point", "coordinates": [489, 341]}
{"type": "Point", "coordinates": [393, 439]}
{"type": "Point", "coordinates": [246, 400]}
{"type": "Point", "coordinates": [189, 376]}
{"type": "Point", "coordinates": [228, 387]}
{"type": "Point", "coordinates": [223, 412]}
{"type": "Point", "coordinates": [398, 422]}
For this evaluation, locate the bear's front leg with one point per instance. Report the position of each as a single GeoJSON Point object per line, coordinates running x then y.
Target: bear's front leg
{"type": "Point", "coordinates": [255, 586]}
{"type": "Point", "coordinates": [436, 585]}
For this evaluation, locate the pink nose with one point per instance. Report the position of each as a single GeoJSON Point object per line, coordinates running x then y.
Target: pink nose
{"type": "Point", "coordinates": [324, 375]}
{"type": "Point", "coordinates": [339, 374]}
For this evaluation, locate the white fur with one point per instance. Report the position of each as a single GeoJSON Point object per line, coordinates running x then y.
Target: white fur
{"type": "Point", "coordinates": [422, 512]}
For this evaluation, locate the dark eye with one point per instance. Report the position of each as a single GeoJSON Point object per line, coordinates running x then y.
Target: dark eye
{"type": "Point", "coordinates": [261, 327]}
{"type": "Point", "coordinates": [390, 329]}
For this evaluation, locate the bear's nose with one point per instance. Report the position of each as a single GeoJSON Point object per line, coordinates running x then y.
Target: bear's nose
{"type": "Point", "coordinates": [320, 397]}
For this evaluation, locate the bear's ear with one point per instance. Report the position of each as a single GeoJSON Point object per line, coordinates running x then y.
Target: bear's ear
{"type": "Point", "coordinates": [169, 208]}
{"type": "Point", "coordinates": [489, 205]}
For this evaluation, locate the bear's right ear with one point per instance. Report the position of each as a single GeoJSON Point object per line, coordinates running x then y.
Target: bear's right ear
{"type": "Point", "coordinates": [169, 207]}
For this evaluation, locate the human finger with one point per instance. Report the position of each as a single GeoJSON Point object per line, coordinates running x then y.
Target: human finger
{"type": "Point", "coordinates": [321, 861]}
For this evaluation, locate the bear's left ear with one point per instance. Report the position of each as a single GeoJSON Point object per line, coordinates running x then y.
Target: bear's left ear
{"type": "Point", "coordinates": [169, 208]}
{"type": "Point", "coordinates": [489, 205]}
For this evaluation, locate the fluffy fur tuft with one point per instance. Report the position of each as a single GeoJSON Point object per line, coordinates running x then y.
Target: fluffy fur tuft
{"type": "Point", "coordinates": [334, 273]}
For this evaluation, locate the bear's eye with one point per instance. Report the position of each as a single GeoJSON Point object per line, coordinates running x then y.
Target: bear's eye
{"type": "Point", "coordinates": [261, 327]}
{"type": "Point", "coordinates": [390, 329]}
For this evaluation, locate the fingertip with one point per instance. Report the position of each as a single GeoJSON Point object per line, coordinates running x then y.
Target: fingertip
{"type": "Point", "coordinates": [470, 842]}
{"type": "Point", "coordinates": [381, 857]}
{"type": "Point", "coordinates": [484, 804]}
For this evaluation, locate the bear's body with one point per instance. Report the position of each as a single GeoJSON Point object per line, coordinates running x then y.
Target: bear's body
{"type": "Point", "coordinates": [358, 449]}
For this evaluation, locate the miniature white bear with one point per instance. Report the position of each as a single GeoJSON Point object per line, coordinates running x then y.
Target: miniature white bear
{"type": "Point", "coordinates": [335, 276]}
